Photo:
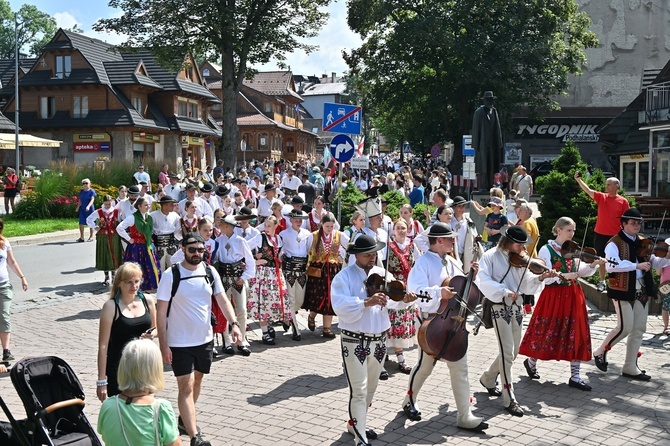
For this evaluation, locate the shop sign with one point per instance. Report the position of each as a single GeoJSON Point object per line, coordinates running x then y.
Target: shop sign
{"type": "Point", "coordinates": [92, 146]}
{"type": "Point", "coordinates": [564, 132]}
{"type": "Point", "coordinates": [146, 137]}
{"type": "Point", "coordinates": [513, 152]}
{"type": "Point", "coordinates": [88, 137]}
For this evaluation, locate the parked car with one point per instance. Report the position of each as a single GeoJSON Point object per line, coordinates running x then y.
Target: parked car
{"type": "Point", "coordinates": [541, 169]}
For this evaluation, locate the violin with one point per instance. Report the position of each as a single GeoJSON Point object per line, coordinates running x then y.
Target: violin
{"type": "Point", "coordinates": [572, 250]}
{"type": "Point", "coordinates": [536, 266]}
{"type": "Point", "coordinates": [444, 335]}
{"type": "Point", "coordinates": [647, 247]}
{"type": "Point", "coordinates": [394, 289]}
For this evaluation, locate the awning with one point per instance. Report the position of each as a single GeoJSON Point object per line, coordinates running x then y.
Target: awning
{"type": "Point", "coordinates": [7, 141]}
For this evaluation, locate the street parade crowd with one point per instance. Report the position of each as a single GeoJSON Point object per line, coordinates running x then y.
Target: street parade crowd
{"type": "Point", "coordinates": [210, 255]}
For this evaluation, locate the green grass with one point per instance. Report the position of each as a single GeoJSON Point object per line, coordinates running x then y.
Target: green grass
{"type": "Point", "coordinates": [16, 228]}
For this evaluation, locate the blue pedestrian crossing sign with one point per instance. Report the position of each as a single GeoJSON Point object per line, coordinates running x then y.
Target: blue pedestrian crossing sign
{"type": "Point", "coordinates": [342, 148]}
{"type": "Point", "coordinates": [342, 118]}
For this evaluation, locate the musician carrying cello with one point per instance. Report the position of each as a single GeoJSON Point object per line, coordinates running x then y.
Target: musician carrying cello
{"type": "Point", "coordinates": [630, 287]}
{"type": "Point", "coordinates": [503, 284]}
{"type": "Point", "coordinates": [426, 277]}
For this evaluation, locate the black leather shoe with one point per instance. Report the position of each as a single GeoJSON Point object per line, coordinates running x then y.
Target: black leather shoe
{"type": "Point", "coordinates": [493, 391]}
{"type": "Point", "coordinates": [600, 362]}
{"type": "Point", "coordinates": [285, 325]}
{"type": "Point", "coordinates": [384, 375]}
{"type": "Point", "coordinates": [581, 385]}
{"type": "Point", "coordinates": [244, 350]}
{"type": "Point", "coordinates": [515, 409]}
{"type": "Point", "coordinates": [228, 350]}
{"type": "Point", "coordinates": [532, 374]}
{"type": "Point", "coordinates": [372, 435]}
{"type": "Point", "coordinates": [481, 427]}
{"type": "Point", "coordinates": [296, 337]}
{"type": "Point", "coordinates": [411, 412]}
{"type": "Point", "coordinates": [268, 339]}
{"type": "Point", "coordinates": [639, 377]}
{"type": "Point", "coordinates": [271, 332]}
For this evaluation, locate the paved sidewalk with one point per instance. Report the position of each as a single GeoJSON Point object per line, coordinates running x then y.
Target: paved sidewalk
{"type": "Point", "coordinates": [294, 393]}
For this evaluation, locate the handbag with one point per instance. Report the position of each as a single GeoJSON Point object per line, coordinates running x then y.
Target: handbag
{"type": "Point", "coordinates": [313, 271]}
{"type": "Point", "coordinates": [487, 313]}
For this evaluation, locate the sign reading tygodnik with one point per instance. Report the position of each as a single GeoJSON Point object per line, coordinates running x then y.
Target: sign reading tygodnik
{"type": "Point", "coordinates": [564, 132]}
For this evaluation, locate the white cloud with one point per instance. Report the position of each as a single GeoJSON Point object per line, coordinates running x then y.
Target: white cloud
{"type": "Point", "coordinates": [333, 38]}
{"type": "Point", "coordinates": [65, 20]}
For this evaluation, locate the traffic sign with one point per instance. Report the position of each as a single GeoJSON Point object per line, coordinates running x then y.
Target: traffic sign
{"type": "Point", "coordinates": [342, 148]}
{"type": "Point", "coordinates": [435, 150]}
{"type": "Point", "coordinates": [467, 146]}
{"type": "Point", "coordinates": [342, 118]}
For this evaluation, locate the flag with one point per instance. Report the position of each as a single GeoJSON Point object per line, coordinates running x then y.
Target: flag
{"type": "Point", "coordinates": [297, 111]}
{"type": "Point", "coordinates": [326, 156]}
{"type": "Point", "coordinates": [360, 147]}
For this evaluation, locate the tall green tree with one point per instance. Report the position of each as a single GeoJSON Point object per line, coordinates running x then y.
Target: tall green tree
{"type": "Point", "coordinates": [36, 28]}
{"type": "Point", "coordinates": [424, 64]}
{"type": "Point", "coordinates": [240, 33]}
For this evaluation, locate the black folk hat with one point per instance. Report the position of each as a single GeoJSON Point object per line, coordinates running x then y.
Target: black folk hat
{"type": "Point", "coordinates": [166, 199]}
{"type": "Point", "coordinates": [297, 199]}
{"type": "Point", "coordinates": [245, 214]}
{"type": "Point", "coordinates": [365, 244]}
{"type": "Point", "coordinates": [488, 95]}
{"type": "Point", "coordinates": [632, 214]}
{"type": "Point", "coordinates": [269, 187]}
{"type": "Point", "coordinates": [517, 234]}
{"type": "Point", "coordinates": [207, 188]}
{"type": "Point", "coordinates": [189, 187]}
{"type": "Point", "coordinates": [440, 229]}
{"type": "Point", "coordinates": [297, 213]}
{"type": "Point", "coordinates": [458, 200]}
{"type": "Point", "coordinates": [222, 190]}
{"type": "Point", "coordinates": [134, 190]}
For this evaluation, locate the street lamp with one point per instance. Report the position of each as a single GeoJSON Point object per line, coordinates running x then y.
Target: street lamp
{"type": "Point", "coordinates": [16, 93]}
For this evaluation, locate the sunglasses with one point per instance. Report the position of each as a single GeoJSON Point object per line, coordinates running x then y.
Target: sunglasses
{"type": "Point", "coordinates": [194, 250]}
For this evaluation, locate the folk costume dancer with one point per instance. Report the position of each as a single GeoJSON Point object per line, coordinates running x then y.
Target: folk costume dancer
{"type": "Point", "coordinates": [364, 321]}
{"type": "Point", "coordinates": [246, 231]}
{"type": "Point", "coordinates": [236, 265]}
{"type": "Point", "coordinates": [296, 243]}
{"type": "Point", "coordinates": [268, 197]}
{"type": "Point", "coordinates": [426, 277]}
{"type": "Point", "coordinates": [189, 221]}
{"type": "Point", "coordinates": [630, 287]}
{"type": "Point", "coordinates": [212, 200]}
{"type": "Point", "coordinates": [467, 233]}
{"type": "Point", "coordinates": [268, 297]}
{"type": "Point", "coordinates": [403, 316]}
{"type": "Point", "coordinates": [372, 209]}
{"type": "Point", "coordinates": [414, 227]}
{"type": "Point", "coordinates": [108, 249]}
{"type": "Point", "coordinates": [559, 326]}
{"type": "Point", "coordinates": [167, 231]}
{"type": "Point", "coordinates": [202, 207]}
{"type": "Point", "coordinates": [324, 262]}
{"type": "Point", "coordinates": [137, 230]}
{"type": "Point", "coordinates": [503, 285]}
{"type": "Point", "coordinates": [127, 207]}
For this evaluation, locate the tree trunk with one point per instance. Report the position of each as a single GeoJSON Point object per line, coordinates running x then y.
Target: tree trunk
{"type": "Point", "coordinates": [228, 150]}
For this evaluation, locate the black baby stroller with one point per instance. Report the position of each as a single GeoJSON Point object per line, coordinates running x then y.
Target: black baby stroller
{"type": "Point", "coordinates": [54, 401]}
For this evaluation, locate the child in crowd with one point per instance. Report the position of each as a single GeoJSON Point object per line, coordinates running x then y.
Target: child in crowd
{"type": "Point", "coordinates": [509, 205]}
{"type": "Point", "coordinates": [494, 222]}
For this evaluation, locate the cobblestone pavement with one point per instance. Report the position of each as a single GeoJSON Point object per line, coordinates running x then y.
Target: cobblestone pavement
{"type": "Point", "coordinates": [294, 393]}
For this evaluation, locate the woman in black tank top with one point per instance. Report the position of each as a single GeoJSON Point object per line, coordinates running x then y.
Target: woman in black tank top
{"type": "Point", "coordinates": [126, 316]}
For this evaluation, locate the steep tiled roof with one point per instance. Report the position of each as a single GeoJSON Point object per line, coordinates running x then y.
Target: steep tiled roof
{"type": "Point", "coordinates": [5, 124]}
{"type": "Point", "coordinates": [273, 83]}
{"type": "Point", "coordinates": [79, 76]}
{"type": "Point", "coordinates": [156, 120]}
{"type": "Point", "coordinates": [125, 73]}
{"type": "Point", "coordinates": [188, 125]}
{"type": "Point", "coordinates": [7, 69]}
{"type": "Point", "coordinates": [214, 125]}
{"type": "Point", "coordinates": [62, 119]}
{"type": "Point", "coordinates": [95, 51]}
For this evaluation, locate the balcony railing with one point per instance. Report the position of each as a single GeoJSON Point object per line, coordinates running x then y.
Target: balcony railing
{"type": "Point", "coordinates": [657, 105]}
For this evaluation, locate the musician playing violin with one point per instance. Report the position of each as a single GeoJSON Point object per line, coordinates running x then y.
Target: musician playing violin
{"type": "Point", "coordinates": [427, 275]}
{"type": "Point", "coordinates": [503, 285]}
{"type": "Point", "coordinates": [559, 327]}
{"type": "Point", "coordinates": [630, 287]}
{"type": "Point", "coordinates": [363, 321]}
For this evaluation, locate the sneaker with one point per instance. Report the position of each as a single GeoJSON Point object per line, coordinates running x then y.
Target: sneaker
{"type": "Point", "coordinates": [7, 355]}
{"type": "Point", "coordinates": [268, 339]}
{"type": "Point", "coordinates": [601, 287]}
{"type": "Point", "coordinates": [271, 332]}
{"type": "Point", "coordinates": [199, 441]}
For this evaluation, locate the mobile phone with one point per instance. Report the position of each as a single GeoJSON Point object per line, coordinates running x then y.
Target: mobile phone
{"type": "Point", "coordinates": [149, 330]}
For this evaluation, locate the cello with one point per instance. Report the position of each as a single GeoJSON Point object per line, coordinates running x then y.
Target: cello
{"type": "Point", "coordinates": [444, 335]}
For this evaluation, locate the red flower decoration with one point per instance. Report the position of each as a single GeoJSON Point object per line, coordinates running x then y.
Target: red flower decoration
{"type": "Point", "coordinates": [507, 386]}
{"type": "Point", "coordinates": [352, 422]}
{"type": "Point", "coordinates": [410, 393]}
{"type": "Point", "coordinates": [608, 347]}
{"type": "Point", "coordinates": [639, 354]}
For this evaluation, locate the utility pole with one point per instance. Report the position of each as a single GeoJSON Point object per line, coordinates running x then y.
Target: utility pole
{"type": "Point", "coordinates": [16, 93]}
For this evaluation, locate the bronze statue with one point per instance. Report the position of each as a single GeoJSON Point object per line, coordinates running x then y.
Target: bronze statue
{"type": "Point", "coordinates": [487, 141]}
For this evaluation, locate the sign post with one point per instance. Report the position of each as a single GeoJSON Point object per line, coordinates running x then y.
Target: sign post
{"type": "Point", "coordinates": [342, 118]}
{"type": "Point", "coordinates": [342, 150]}
{"type": "Point", "coordinates": [243, 148]}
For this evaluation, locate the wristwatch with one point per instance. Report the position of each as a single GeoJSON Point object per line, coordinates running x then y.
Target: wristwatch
{"type": "Point", "coordinates": [235, 323]}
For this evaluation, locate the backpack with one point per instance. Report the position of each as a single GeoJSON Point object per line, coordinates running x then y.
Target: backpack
{"type": "Point", "coordinates": [176, 279]}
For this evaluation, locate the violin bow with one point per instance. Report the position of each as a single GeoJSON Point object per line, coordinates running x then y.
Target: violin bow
{"type": "Point", "coordinates": [586, 229]}
{"type": "Point", "coordinates": [524, 272]}
{"type": "Point", "coordinates": [658, 234]}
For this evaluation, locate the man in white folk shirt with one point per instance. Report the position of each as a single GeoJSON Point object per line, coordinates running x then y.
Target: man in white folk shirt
{"type": "Point", "coordinates": [290, 181]}
{"type": "Point", "coordinates": [363, 322]}
{"type": "Point", "coordinates": [266, 201]}
{"type": "Point", "coordinates": [425, 279]}
{"type": "Point", "coordinates": [372, 209]}
{"type": "Point", "coordinates": [296, 243]}
{"type": "Point", "coordinates": [174, 189]}
{"type": "Point", "coordinates": [166, 230]}
{"type": "Point", "coordinates": [630, 287]}
{"type": "Point", "coordinates": [236, 265]}
{"type": "Point", "coordinates": [206, 195]}
{"type": "Point", "coordinates": [503, 285]}
{"type": "Point", "coordinates": [202, 208]}
{"type": "Point", "coordinates": [127, 207]}
{"type": "Point", "coordinates": [246, 231]}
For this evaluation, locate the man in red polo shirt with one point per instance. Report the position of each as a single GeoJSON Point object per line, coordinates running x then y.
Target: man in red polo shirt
{"type": "Point", "coordinates": [611, 207]}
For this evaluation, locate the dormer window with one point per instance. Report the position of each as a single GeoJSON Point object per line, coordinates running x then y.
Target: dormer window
{"type": "Point", "coordinates": [205, 72]}
{"type": "Point", "coordinates": [63, 66]}
{"type": "Point", "coordinates": [137, 103]}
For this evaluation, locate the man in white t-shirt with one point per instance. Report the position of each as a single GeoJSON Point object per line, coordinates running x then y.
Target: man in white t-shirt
{"type": "Point", "coordinates": [185, 334]}
{"type": "Point", "coordinates": [142, 175]}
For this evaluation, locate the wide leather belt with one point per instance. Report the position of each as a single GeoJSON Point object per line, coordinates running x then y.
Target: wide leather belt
{"type": "Point", "coordinates": [364, 336]}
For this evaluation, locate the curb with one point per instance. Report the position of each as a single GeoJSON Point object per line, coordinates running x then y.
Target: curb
{"type": "Point", "coordinates": [36, 239]}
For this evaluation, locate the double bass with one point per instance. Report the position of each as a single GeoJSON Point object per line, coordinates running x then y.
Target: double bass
{"type": "Point", "coordinates": [444, 334]}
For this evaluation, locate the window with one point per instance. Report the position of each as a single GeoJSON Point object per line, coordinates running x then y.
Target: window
{"type": "Point", "coordinates": [63, 66]}
{"type": "Point", "coordinates": [80, 106]}
{"type": "Point", "coordinates": [263, 141]}
{"type": "Point", "coordinates": [193, 110]}
{"type": "Point", "coordinates": [47, 107]}
{"type": "Point", "coordinates": [182, 108]}
{"type": "Point", "coordinates": [635, 173]}
{"type": "Point", "coordinates": [143, 151]}
{"type": "Point", "coordinates": [268, 107]}
{"type": "Point", "coordinates": [289, 146]}
{"type": "Point", "coordinates": [137, 103]}
{"type": "Point", "coordinates": [216, 107]}
{"type": "Point", "coordinates": [205, 72]}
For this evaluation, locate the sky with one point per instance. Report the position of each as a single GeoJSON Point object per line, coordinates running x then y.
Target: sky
{"type": "Point", "coordinates": [333, 38]}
